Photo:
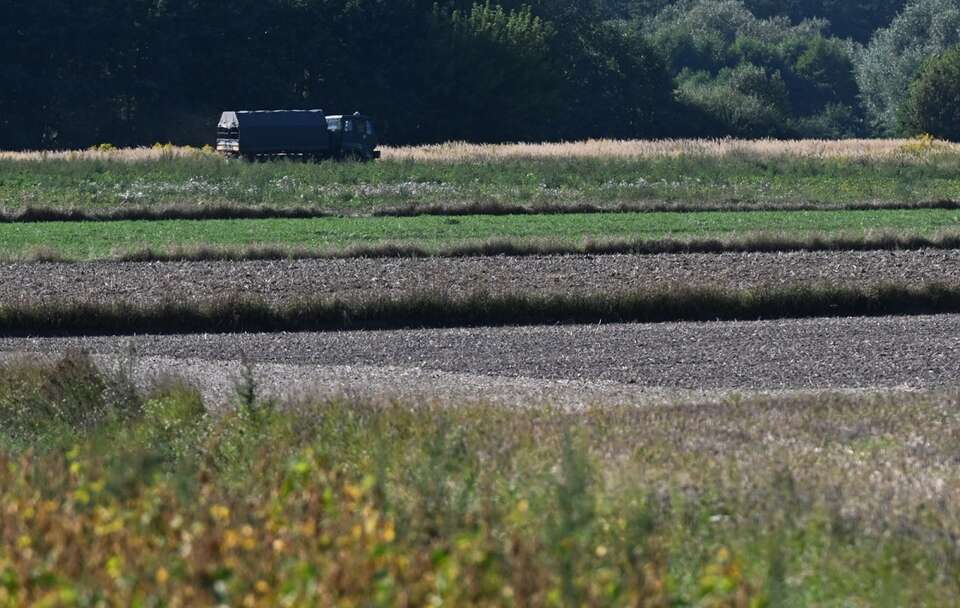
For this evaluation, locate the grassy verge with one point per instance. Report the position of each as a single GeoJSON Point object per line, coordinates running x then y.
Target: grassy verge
{"type": "Point", "coordinates": [748, 179]}
{"type": "Point", "coordinates": [113, 494]}
{"type": "Point", "coordinates": [91, 240]}
{"type": "Point", "coordinates": [440, 310]}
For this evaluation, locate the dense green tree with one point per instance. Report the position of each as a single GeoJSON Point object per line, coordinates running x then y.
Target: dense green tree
{"type": "Point", "coordinates": [493, 78]}
{"type": "Point", "coordinates": [729, 63]}
{"type": "Point", "coordinates": [140, 71]}
{"type": "Point", "coordinates": [933, 104]}
{"type": "Point", "coordinates": [824, 75]}
{"type": "Point", "coordinates": [856, 19]}
{"type": "Point", "coordinates": [889, 64]}
{"type": "Point", "coordinates": [747, 101]}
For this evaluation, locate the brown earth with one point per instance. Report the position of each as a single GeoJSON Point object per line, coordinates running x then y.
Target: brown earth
{"type": "Point", "coordinates": [288, 280]}
{"type": "Point", "coordinates": [906, 352]}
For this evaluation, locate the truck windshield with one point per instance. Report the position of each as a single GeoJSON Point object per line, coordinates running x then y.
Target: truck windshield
{"type": "Point", "coordinates": [333, 124]}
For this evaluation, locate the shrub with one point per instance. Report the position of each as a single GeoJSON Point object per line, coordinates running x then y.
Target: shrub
{"type": "Point", "coordinates": [174, 418]}
{"type": "Point", "coordinates": [74, 392]}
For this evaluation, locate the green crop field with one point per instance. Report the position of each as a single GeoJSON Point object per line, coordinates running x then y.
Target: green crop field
{"type": "Point", "coordinates": [742, 178]}
{"type": "Point", "coordinates": [90, 240]}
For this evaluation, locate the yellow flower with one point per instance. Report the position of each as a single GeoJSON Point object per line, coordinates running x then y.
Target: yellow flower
{"type": "Point", "coordinates": [279, 545]}
{"type": "Point", "coordinates": [354, 492]}
{"type": "Point", "coordinates": [231, 539]}
{"type": "Point", "coordinates": [370, 522]}
{"type": "Point", "coordinates": [389, 532]}
{"type": "Point", "coordinates": [115, 566]}
{"type": "Point", "coordinates": [220, 512]}
{"type": "Point", "coordinates": [262, 586]}
{"type": "Point", "coordinates": [162, 576]}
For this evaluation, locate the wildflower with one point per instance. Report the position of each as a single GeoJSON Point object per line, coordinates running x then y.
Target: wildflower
{"type": "Point", "coordinates": [231, 539]}
{"type": "Point", "coordinates": [220, 512]}
{"type": "Point", "coordinates": [161, 576]}
{"type": "Point", "coordinates": [389, 533]}
{"type": "Point", "coordinates": [354, 492]}
{"type": "Point", "coordinates": [115, 566]}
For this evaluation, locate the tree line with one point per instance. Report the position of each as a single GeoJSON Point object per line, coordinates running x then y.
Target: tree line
{"type": "Point", "coordinates": [134, 72]}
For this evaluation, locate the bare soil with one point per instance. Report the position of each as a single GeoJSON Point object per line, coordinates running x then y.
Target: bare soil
{"type": "Point", "coordinates": [289, 280]}
{"type": "Point", "coordinates": [920, 352]}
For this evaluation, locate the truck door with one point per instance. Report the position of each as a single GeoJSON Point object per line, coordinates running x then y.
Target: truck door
{"type": "Point", "coordinates": [351, 141]}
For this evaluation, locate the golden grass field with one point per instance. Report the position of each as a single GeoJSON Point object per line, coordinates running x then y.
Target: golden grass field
{"type": "Point", "coordinates": [853, 149]}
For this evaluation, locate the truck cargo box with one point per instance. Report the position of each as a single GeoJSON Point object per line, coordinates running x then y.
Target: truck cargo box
{"type": "Point", "coordinates": [273, 132]}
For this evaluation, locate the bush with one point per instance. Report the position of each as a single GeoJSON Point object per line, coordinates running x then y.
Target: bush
{"type": "Point", "coordinates": [174, 418]}
{"type": "Point", "coordinates": [933, 104]}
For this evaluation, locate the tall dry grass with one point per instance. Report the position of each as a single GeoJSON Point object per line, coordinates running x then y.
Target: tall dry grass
{"type": "Point", "coordinates": [852, 149]}
{"type": "Point", "coordinates": [140, 154]}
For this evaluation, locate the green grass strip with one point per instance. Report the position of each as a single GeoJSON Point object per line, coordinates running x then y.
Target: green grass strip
{"type": "Point", "coordinates": [210, 181]}
{"type": "Point", "coordinates": [437, 310]}
{"type": "Point", "coordinates": [259, 212]}
{"type": "Point", "coordinates": [97, 240]}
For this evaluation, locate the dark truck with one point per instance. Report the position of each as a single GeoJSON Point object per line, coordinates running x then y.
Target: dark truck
{"type": "Point", "coordinates": [308, 134]}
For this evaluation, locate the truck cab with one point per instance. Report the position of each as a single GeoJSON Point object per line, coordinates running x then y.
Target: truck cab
{"type": "Point", "coordinates": [354, 135]}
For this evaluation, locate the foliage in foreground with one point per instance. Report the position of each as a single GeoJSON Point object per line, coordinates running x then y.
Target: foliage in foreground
{"type": "Point", "coordinates": [144, 498]}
